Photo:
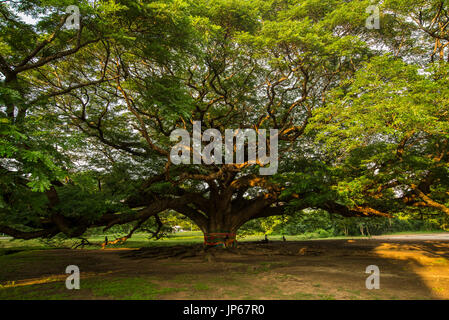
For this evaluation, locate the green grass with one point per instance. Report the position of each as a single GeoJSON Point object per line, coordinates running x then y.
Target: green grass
{"type": "Point", "coordinates": [184, 278]}
{"type": "Point", "coordinates": [326, 296]}
{"type": "Point", "coordinates": [137, 288]}
{"type": "Point", "coordinates": [50, 291]}
{"type": "Point", "coordinates": [142, 240]}
{"type": "Point", "coordinates": [227, 280]}
{"type": "Point", "coordinates": [303, 296]}
{"type": "Point", "coordinates": [134, 288]}
{"type": "Point", "coordinates": [199, 286]}
{"type": "Point", "coordinates": [25, 254]}
{"type": "Point", "coordinates": [10, 261]}
{"type": "Point", "coordinates": [137, 241]}
{"type": "Point", "coordinates": [442, 261]}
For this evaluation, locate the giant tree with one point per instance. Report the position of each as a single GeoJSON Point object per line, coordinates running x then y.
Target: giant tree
{"type": "Point", "coordinates": [293, 66]}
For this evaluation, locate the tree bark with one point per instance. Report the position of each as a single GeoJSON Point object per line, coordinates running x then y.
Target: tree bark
{"type": "Point", "coordinates": [221, 231]}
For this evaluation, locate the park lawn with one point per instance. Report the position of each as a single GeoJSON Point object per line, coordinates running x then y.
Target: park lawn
{"type": "Point", "coordinates": [140, 240]}
{"type": "Point", "coordinates": [151, 288]}
{"type": "Point", "coordinates": [260, 281]}
{"type": "Point", "coordinates": [326, 270]}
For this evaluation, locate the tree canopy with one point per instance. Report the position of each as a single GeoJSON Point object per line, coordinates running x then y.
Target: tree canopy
{"type": "Point", "coordinates": [86, 114]}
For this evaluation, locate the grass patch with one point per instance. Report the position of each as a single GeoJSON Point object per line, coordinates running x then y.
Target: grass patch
{"type": "Point", "coordinates": [303, 296]}
{"type": "Point", "coordinates": [52, 291]}
{"type": "Point", "coordinates": [184, 278]}
{"type": "Point", "coordinates": [442, 261]}
{"type": "Point", "coordinates": [201, 286]}
{"type": "Point", "coordinates": [137, 288]}
{"type": "Point", "coordinates": [326, 296]}
{"type": "Point", "coordinates": [140, 240]}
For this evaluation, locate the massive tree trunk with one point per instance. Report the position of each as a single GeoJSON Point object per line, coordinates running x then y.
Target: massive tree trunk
{"type": "Point", "coordinates": [220, 227]}
{"type": "Point", "coordinates": [220, 231]}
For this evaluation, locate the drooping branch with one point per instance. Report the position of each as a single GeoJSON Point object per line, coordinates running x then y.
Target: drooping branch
{"type": "Point", "coordinates": [27, 235]}
{"type": "Point", "coordinates": [429, 202]}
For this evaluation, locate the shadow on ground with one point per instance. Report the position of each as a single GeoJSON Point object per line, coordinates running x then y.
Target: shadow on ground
{"type": "Point", "coordinates": [325, 269]}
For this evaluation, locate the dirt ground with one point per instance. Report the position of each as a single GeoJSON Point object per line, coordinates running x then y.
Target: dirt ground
{"type": "Point", "coordinates": [411, 267]}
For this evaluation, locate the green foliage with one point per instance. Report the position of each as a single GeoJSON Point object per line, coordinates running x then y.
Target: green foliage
{"type": "Point", "coordinates": [320, 224]}
{"type": "Point", "coordinates": [86, 113]}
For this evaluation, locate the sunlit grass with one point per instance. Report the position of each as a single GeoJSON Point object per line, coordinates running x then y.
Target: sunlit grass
{"type": "Point", "coordinates": [140, 240]}
{"type": "Point", "coordinates": [127, 288]}
{"type": "Point", "coordinates": [137, 241]}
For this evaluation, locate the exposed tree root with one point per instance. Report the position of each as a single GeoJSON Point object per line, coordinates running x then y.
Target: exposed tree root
{"type": "Point", "coordinates": [211, 254]}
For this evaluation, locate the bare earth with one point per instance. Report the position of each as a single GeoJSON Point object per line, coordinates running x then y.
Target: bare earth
{"type": "Point", "coordinates": [411, 266]}
{"type": "Point", "coordinates": [415, 237]}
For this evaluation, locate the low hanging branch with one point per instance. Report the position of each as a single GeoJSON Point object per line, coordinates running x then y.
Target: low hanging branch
{"type": "Point", "coordinates": [429, 202]}
{"type": "Point", "coordinates": [155, 234]}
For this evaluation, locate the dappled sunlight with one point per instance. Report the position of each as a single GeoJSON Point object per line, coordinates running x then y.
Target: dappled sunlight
{"type": "Point", "coordinates": [325, 269]}
{"type": "Point", "coordinates": [431, 266]}
{"type": "Point", "coordinates": [49, 279]}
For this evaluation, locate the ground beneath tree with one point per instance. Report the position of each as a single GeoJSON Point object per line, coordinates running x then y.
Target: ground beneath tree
{"type": "Point", "coordinates": [412, 267]}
